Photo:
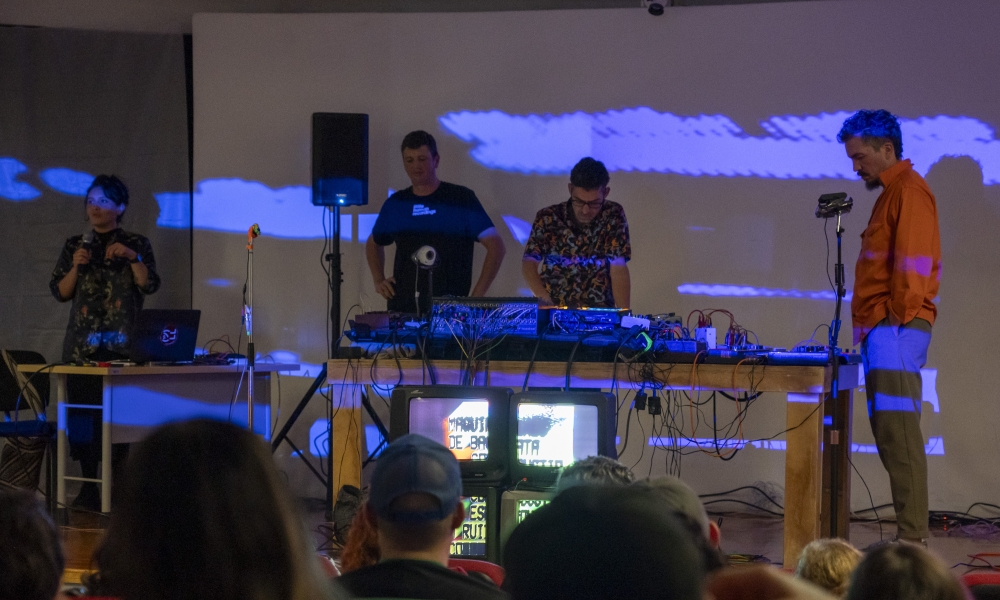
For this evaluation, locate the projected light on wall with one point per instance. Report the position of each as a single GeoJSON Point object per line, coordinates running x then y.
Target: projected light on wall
{"type": "Point", "coordinates": [933, 447]}
{"type": "Point", "coordinates": [10, 187]}
{"type": "Point", "coordinates": [747, 291]}
{"type": "Point", "coordinates": [642, 139]}
{"type": "Point", "coordinates": [67, 181]}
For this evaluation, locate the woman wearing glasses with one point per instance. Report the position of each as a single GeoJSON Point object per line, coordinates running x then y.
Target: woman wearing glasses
{"type": "Point", "coordinates": [106, 273]}
{"type": "Point", "coordinates": [578, 250]}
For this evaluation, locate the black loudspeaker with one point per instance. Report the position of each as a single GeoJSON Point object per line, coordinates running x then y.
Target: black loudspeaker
{"type": "Point", "coordinates": [339, 159]}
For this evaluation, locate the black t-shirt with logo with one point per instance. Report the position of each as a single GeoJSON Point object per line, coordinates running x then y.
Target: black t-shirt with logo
{"type": "Point", "coordinates": [450, 220]}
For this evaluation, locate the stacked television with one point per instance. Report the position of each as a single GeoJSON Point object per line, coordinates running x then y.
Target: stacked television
{"type": "Point", "coordinates": [510, 446]}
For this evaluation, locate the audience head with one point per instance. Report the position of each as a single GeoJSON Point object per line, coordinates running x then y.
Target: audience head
{"type": "Point", "coordinates": [903, 571]}
{"type": "Point", "coordinates": [600, 542]}
{"type": "Point", "coordinates": [361, 549]}
{"type": "Point", "coordinates": [31, 557]}
{"type": "Point", "coordinates": [679, 497]}
{"type": "Point", "coordinates": [828, 563]}
{"type": "Point", "coordinates": [594, 470]}
{"type": "Point", "coordinates": [204, 513]}
{"type": "Point", "coordinates": [415, 499]}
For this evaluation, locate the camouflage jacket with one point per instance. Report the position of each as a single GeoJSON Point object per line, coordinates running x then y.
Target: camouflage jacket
{"type": "Point", "coordinates": [106, 299]}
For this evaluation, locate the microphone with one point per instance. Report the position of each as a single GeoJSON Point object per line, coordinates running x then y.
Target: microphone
{"type": "Point", "coordinates": [253, 232]}
{"type": "Point", "coordinates": [86, 243]}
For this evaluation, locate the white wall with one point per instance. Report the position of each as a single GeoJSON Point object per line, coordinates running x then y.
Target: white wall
{"type": "Point", "coordinates": [696, 220]}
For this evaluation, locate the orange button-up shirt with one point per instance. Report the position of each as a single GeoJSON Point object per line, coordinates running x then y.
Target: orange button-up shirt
{"type": "Point", "coordinates": [899, 270]}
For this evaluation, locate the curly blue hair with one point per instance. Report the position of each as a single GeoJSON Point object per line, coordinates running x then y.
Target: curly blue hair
{"type": "Point", "coordinates": [875, 127]}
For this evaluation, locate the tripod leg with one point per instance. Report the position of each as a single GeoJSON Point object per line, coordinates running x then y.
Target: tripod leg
{"type": "Point", "coordinates": [316, 384]}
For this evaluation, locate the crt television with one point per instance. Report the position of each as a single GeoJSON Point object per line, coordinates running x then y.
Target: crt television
{"type": "Point", "coordinates": [477, 537]}
{"type": "Point", "coordinates": [468, 420]}
{"type": "Point", "coordinates": [515, 505]}
{"type": "Point", "coordinates": [552, 430]}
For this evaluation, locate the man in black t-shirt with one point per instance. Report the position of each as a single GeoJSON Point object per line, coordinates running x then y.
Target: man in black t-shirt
{"type": "Point", "coordinates": [415, 504]}
{"type": "Point", "coordinates": [431, 212]}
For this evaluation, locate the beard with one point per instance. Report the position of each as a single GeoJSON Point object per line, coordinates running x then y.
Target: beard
{"type": "Point", "coordinates": [873, 185]}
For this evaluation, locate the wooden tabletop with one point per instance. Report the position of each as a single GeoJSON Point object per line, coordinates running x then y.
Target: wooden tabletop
{"type": "Point", "coordinates": [743, 377]}
{"type": "Point", "coordinates": [260, 367]}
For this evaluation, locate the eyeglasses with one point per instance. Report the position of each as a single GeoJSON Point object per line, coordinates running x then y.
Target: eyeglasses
{"type": "Point", "coordinates": [580, 204]}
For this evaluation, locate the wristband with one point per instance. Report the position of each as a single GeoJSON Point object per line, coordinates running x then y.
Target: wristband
{"type": "Point", "coordinates": [138, 258]}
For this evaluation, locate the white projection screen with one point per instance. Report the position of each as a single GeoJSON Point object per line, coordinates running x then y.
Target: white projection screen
{"type": "Point", "coordinates": [718, 125]}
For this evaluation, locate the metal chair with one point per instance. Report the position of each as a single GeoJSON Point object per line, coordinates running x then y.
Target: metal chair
{"type": "Point", "coordinates": [26, 438]}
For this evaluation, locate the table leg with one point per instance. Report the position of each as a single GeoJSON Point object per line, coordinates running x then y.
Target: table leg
{"type": "Point", "coordinates": [803, 473]}
{"type": "Point", "coordinates": [61, 443]}
{"type": "Point", "coordinates": [106, 469]}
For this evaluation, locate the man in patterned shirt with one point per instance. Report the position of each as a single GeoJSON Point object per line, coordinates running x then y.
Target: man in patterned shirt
{"type": "Point", "coordinates": [578, 250]}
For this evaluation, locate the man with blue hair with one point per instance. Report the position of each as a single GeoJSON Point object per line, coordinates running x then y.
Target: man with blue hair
{"type": "Point", "coordinates": [895, 285]}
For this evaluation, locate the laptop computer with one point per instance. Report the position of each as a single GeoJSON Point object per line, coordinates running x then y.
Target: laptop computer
{"type": "Point", "coordinates": [165, 336]}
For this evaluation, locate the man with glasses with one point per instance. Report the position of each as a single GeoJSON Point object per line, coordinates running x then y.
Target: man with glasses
{"type": "Point", "coordinates": [578, 250]}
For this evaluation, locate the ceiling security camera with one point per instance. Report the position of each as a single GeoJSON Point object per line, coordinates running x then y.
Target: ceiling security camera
{"type": "Point", "coordinates": [655, 7]}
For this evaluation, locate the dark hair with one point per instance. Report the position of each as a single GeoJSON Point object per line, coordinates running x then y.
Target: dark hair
{"type": "Point", "coordinates": [417, 139]}
{"type": "Point", "coordinates": [204, 513]}
{"type": "Point", "coordinates": [114, 189]}
{"type": "Point", "coordinates": [594, 470]}
{"type": "Point", "coordinates": [903, 571]}
{"type": "Point", "coordinates": [589, 174]}
{"type": "Point", "coordinates": [31, 558]}
{"type": "Point", "coordinates": [597, 542]}
{"type": "Point", "coordinates": [875, 127]}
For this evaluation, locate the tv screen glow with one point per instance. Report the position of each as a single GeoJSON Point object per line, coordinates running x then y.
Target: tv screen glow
{"type": "Point", "coordinates": [555, 435]}
{"type": "Point", "coordinates": [470, 537]}
{"type": "Point", "coordinates": [459, 424]}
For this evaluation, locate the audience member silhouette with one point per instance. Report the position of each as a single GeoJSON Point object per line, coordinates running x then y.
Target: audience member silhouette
{"type": "Point", "coordinates": [415, 505]}
{"type": "Point", "coordinates": [829, 564]}
{"type": "Point", "coordinates": [602, 542]}
{"type": "Point", "coordinates": [903, 571]}
{"type": "Point", "coordinates": [31, 557]}
{"type": "Point", "coordinates": [361, 549]}
{"type": "Point", "coordinates": [204, 513]}
{"type": "Point", "coordinates": [594, 470]}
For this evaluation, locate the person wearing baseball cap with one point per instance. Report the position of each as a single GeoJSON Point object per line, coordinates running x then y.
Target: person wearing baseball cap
{"type": "Point", "coordinates": [415, 503]}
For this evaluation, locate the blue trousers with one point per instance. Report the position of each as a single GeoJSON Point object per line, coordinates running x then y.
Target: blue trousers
{"type": "Point", "coordinates": [892, 362]}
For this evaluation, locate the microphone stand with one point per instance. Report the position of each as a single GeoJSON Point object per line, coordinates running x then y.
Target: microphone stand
{"type": "Point", "coordinates": [838, 425]}
{"type": "Point", "coordinates": [253, 232]}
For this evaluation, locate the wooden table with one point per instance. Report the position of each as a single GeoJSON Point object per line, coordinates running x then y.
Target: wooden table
{"type": "Point", "coordinates": [806, 388]}
{"type": "Point", "coordinates": [138, 399]}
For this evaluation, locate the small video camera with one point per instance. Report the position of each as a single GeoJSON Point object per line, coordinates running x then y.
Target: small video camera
{"type": "Point", "coordinates": [831, 205]}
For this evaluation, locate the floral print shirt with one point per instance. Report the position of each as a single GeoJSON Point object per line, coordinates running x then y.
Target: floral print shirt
{"type": "Point", "coordinates": [106, 299]}
{"type": "Point", "coordinates": [576, 258]}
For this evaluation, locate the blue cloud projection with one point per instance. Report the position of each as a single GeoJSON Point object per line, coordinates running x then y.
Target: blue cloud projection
{"type": "Point", "coordinates": [10, 187]}
{"type": "Point", "coordinates": [642, 139]}
{"type": "Point", "coordinates": [67, 181]}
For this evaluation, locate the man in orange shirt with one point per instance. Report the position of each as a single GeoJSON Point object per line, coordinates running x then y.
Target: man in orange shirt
{"type": "Point", "coordinates": [895, 285]}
